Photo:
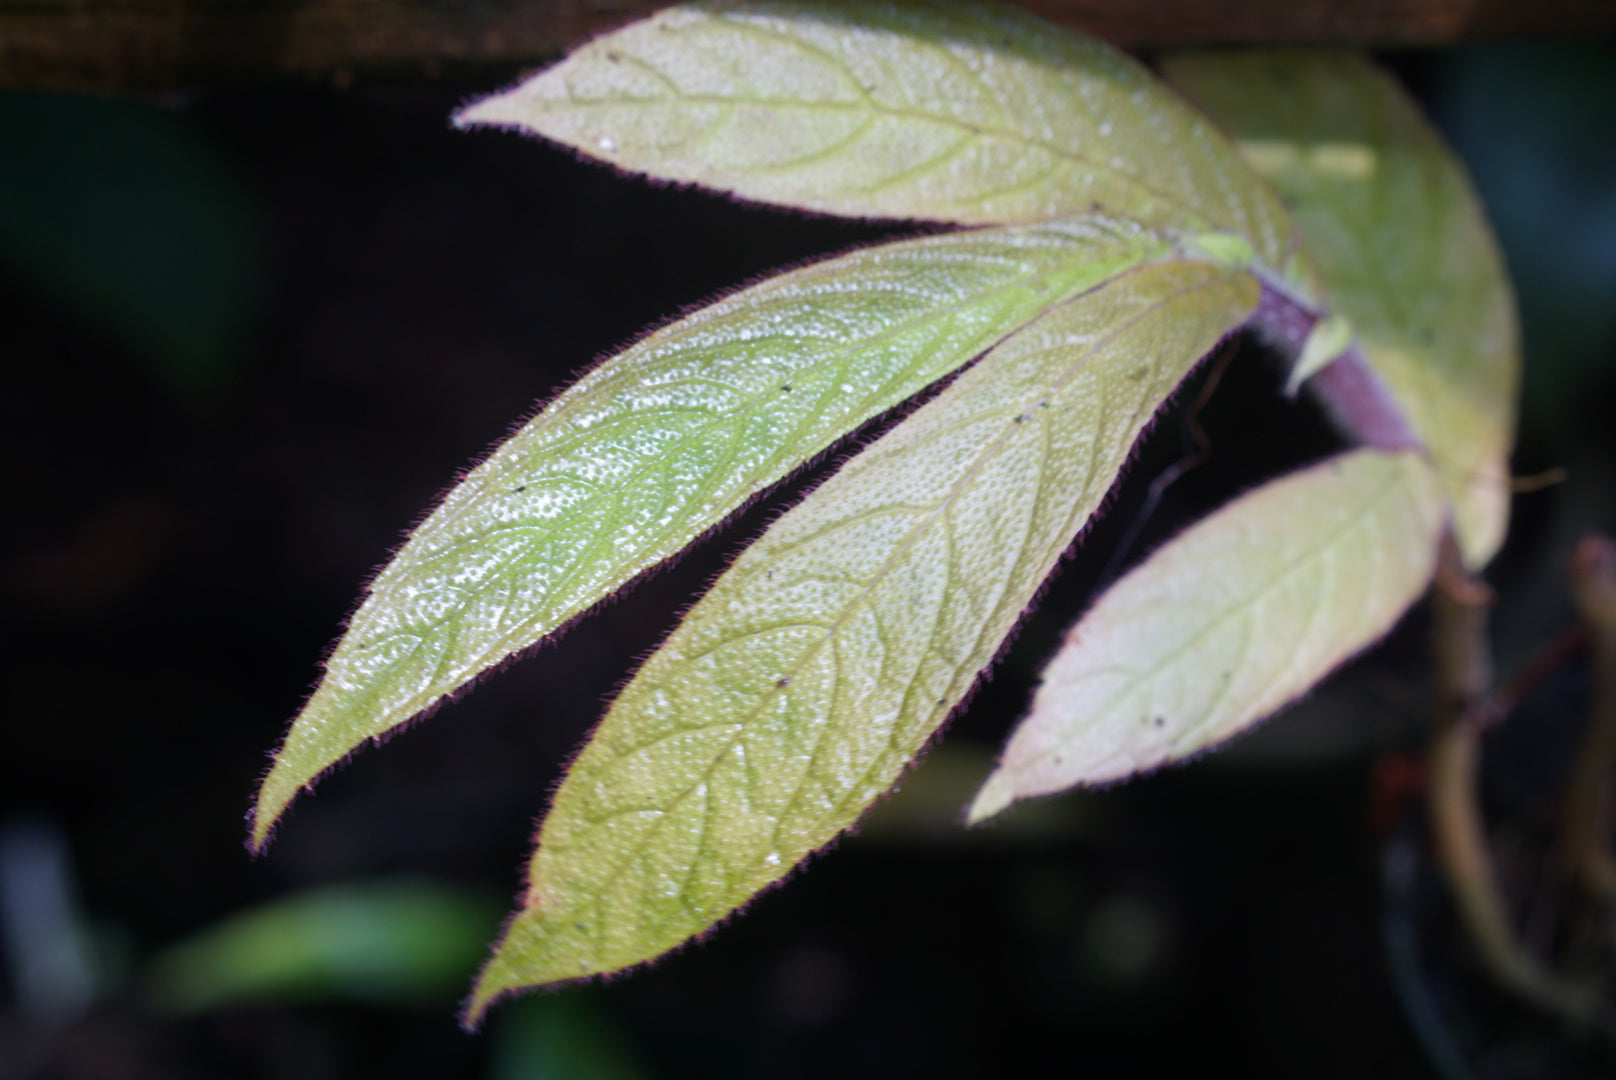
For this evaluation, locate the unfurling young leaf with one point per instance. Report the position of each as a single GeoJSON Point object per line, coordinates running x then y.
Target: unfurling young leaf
{"type": "Point", "coordinates": [798, 689]}
{"type": "Point", "coordinates": [1399, 239]}
{"type": "Point", "coordinates": [662, 442]}
{"type": "Point", "coordinates": [955, 112]}
{"type": "Point", "coordinates": [1228, 622]}
{"type": "Point", "coordinates": [1329, 339]}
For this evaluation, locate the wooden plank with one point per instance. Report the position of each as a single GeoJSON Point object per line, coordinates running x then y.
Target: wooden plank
{"type": "Point", "coordinates": [161, 44]}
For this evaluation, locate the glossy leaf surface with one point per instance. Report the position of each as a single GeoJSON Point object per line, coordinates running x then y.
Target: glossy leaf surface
{"type": "Point", "coordinates": [799, 688]}
{"type": "Point", "coordinates": [952, 112]}
{"type": "Point", "coordinates": [660, 443]}
{"type": "Point", "coordinates": [1396, 233]}
{"type": "Point", "coordinates": [1228, 622]}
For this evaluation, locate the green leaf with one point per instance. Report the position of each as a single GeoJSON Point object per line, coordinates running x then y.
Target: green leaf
{"type": "Point", "coordinates": [799, 688]}
{"type": "Point", "coordinates": [967, 113]}
{"type": "Point", "coordinates": [1228, 622]}
{"type": "Point", "coordinates": [659, 444]}
{"type": "Point", "coordinates": [1326, 343]}
{"type": "Point", "coordinates": [397, 942]}
{"type": "Point", "coordinates": [1398, 236]}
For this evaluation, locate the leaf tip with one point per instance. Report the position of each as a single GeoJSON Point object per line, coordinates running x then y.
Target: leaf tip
{"type": "Point", "coordinates": [476, 1008]}
{"type": "Point", "coordinates": [996, 794]}
{"type": "Point", "coordinates": [275, 794]}
{"type": "Point", "coordinates": [482, 111]}
{"type": "Point", "coordinates": [262, 819]}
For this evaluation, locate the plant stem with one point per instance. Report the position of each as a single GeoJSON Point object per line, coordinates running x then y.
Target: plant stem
{"type": "Point", "coordinates": [1465, 708]}
{"type": "Point", "coordinates": [1587, 807]}
{"type": "Point", "coordinates": [1357, 400]}
{"type": "Point", "coordinates": [1531, 676]}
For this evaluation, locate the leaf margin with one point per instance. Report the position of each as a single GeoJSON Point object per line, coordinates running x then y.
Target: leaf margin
{"type": "Point", "coordinates": [1301, 499]}
{"type": "Point", "coordinates": [495, 980]}
{"type": "Point", "coordinates": [1099, 248]}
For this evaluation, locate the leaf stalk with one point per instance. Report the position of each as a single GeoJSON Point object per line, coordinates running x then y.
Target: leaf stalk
{"type": "Point", "coordinates": [1465, 708]}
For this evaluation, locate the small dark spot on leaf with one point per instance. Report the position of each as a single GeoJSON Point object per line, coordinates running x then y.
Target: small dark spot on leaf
{"type": "Point", "coordinates": [1139, 373]}
{"type": "Point", "coordinates": [519, 489]}
{"type": "Point", "coordinates": [613, 57]}
{"type": "Point", "coordinates": [1043, 404]}
{"type": "Point", "coordinates": [1160, 721]}
{"type": "Point", "coordinates": [784, 680]}
{"type": "Point", "coordinates": [786, 389]}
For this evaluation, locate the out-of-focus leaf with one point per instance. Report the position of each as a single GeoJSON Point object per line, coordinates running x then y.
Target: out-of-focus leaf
{"type": "Point", "coordinates": [660, 443]}
{"type": "Point", "coordinates": [955, 112]}
{"type": "Point", "coordinates": [396, 943]}
{"type": "Point", "coordinates": [120, 211]}
{"type": "Point", "coordinates": [797, 690]}
{"type": "Point", "coordinates": [1229, 621]}
{"type": "Point", "coordinates": [1401, 244]}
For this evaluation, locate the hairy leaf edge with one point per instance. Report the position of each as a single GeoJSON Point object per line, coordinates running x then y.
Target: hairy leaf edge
{"type": "Point", "coordinates": [477, 1004]}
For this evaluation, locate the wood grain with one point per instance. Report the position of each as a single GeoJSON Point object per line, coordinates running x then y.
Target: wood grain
{"type": "Point", "coordinates": [166, 44]}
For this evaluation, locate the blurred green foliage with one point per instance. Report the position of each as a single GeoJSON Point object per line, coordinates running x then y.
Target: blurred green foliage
{"type": "Point", "coordinates": [392, 943]}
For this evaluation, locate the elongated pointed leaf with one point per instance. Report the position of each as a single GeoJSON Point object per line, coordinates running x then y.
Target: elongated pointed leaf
{"type": "Point", "coordinates": [1228, 622]}
{"type": "Point", "coordinates": [954, 112]}
{"type": "Point", "coordinates": [1400, 241]}
{"type": "Point", "coordinates": [797, 690]}
{"type": "Point", "coordinates": [660, 443]}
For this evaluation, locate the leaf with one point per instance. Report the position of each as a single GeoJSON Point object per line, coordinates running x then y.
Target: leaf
{"type": "Point", "coordinates": [398, 942]}
{"type": "Point", "coordinates": [799, 688]}
{"type": "Point", "coordinates": [1326, 343]}
{"type": "Point", "coordinates": [1399, 238]}
{"type": "Point", "coordinates": [1225, 624]}
{"type": "Point", "coordinates": [659, 444]}
{"type": "Point", "coordinates": [952, 112]}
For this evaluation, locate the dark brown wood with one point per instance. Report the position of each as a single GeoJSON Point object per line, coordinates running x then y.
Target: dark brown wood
{"type": "Point", "coordinates": [158, 44]}
{"type": "Point", "coordinates": [1148, 24]}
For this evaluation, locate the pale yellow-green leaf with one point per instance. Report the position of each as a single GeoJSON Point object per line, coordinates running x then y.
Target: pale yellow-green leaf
{"type": "Point", "coordinates": [967, 113]}
{"type": "Point", "coordinates": [1229, 621]}
{"type": "Point", "coordinates": [1219, 249]}
{"type": "Point", "coordinates": [1399, 239]}
{"type": "Point", "coordinates": [798, 689]}
{"type": "Point", "coordinates": [1330, 337]}
{"type": "Point", "coordinates": [660, 443]}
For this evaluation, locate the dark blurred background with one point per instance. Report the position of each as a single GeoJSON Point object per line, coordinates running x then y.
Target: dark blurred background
{"type": "Point", "coordinates": [249, 336]}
